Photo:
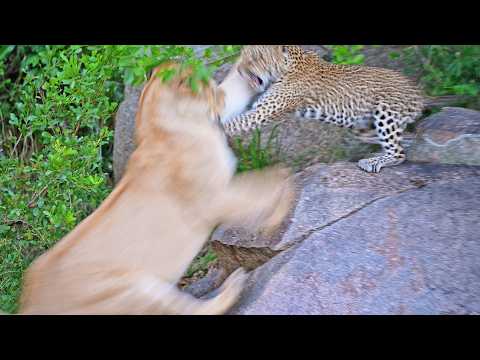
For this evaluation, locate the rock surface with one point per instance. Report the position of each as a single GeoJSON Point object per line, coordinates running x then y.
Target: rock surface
{"type": "Point", "coordinates": [380, 56]}
{"type": "Point", "coordinates": [325, 194]}
{"type": "Point", "coordinates": [204, 286]}
{"type": "Point", "coordinates": [451, 136]}
{"type": "Point", "coordinates": [405, 242]}
{"type": "Point", "coordinates": [123, 143]}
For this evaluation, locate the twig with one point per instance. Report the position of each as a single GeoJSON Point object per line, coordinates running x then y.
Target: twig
{"type": "Point", "coordinates": [36, 196]}
{"type": "Point", "coordinates": [24, 148]}
{"type": "Point", "coordinates": [223, 59]}
{"type": "Point", "coordinates": [16, 144]}
{"type": "Point", "coordinates": [17, 221]}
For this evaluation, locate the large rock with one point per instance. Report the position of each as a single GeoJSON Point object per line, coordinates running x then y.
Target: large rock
{"type": "Point", "coordinates": [404, 242]}
{"type": "Point", "coordinates": [451, 136]}
{"type": "Point", "coordinates": [381, 56]}
{"type": "Point", "coordinates": [325, 193]}
{"type": "Point", "coordinates": [204, 287]}
{"type": "Point", "coordinates": [123, 141]}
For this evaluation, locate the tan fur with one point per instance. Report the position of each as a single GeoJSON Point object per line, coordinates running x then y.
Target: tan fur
{"type": "Point", "coordinates": [127, 256]}
{"type": "Point", "coordinates": [238, 94]}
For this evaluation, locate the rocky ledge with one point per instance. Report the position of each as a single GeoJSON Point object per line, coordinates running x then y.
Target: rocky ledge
{"type": "Point", "coordinates": [405, 241]}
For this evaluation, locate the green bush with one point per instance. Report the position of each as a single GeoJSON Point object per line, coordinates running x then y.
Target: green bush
{"type": "Point", "coordinates": [136, 61]}
{"type": "Point", "coordinates": [347, 54]}
{"type": "Point", "coordinates": [441, 69]}
{"type": "Point", "coordinates": [252, 154]}
{"type": "Point", "coordinates": [56, 113]}
{"type": "Point", "coordinates": [446, 69]}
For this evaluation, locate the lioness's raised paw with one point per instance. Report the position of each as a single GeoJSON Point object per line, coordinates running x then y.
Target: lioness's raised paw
{"type": "Point", "coordinates": [231, 289]}
{"type": "Point", "coordinates": [235, 281]}
{"type": "Point", "coordinates": [285, 190]}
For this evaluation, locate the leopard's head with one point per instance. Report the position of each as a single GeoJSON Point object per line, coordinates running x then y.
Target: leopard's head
{"type": "Point", "coordinates": [261, 65]}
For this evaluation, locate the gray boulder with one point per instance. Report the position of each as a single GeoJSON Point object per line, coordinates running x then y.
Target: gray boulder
{"type": "Point", "coordinates": [451, 136]}
{"type": "Point", "coordinates": [204, 287]}
{"type": "Point", "coordinates": [123, 141]}
{"type": "Point", "coordinates": [325, 193]}
{"type": "Point", "coordinates": [405, 242]}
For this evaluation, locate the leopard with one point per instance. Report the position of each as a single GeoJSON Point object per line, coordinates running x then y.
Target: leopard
{"type": "Point", "coordinates": [377, 104]}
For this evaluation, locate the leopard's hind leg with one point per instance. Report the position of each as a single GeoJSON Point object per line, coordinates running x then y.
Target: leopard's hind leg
{"type": "Point", "coordinates": [389, 127]}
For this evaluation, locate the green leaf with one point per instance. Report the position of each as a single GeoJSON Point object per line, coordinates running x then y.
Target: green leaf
{"type": "Point", "coordinates": [5, 50]}
{"type": "Point", "coordinates": [207, 53]}
{"type": "Point", "coordinates": [14, 120]}
{"type": "Point", "coordinates": [193, 82]}
{"type": "Point", "coordinates": [4, 229]}
{"type": "Point", "coordinates": [394, 55]}
{"type": "Point", "coordinates": [167, 74]}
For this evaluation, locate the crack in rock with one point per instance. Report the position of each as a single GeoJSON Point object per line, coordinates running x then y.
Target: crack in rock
{"type": "Point", "coordinates": [306, 235]}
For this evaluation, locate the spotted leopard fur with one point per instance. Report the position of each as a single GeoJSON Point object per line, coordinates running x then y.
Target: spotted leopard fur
{"type": "Point", "coordinates": [356, 97]}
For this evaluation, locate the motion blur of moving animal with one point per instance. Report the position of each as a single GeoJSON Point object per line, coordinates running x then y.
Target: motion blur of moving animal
{"type": "Point", "coordinates": [128, 256]}
{"type": "Point", "coordinates": [239, 94]}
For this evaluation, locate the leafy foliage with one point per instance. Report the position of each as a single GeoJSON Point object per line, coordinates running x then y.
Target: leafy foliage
{"type": "Point", "coordinates": [137, 61]}
{"type": "Point", "coordinates": [201, 262]}
{"type": "Point", "coordinates": [253, 154]}
{"type": "Point", "coordinates": [55, 115]}
{"type": "Point", "coordinates": [347, 54]}
{"type": "Point", "coordinates": [446, 69]}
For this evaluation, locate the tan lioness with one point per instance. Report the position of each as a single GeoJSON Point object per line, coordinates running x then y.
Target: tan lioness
{"type": "Point", "coordinates": [128, 255]}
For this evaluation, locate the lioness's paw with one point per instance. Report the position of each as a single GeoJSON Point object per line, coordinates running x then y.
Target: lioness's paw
{"type": "Point", "coordinates": [232, 287]}
{"type": "Point", "coordinates": [285, 197]}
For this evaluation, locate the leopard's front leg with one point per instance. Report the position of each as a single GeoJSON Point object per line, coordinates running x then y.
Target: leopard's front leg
{"type": "Point", "coordinates": [277, 100]}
